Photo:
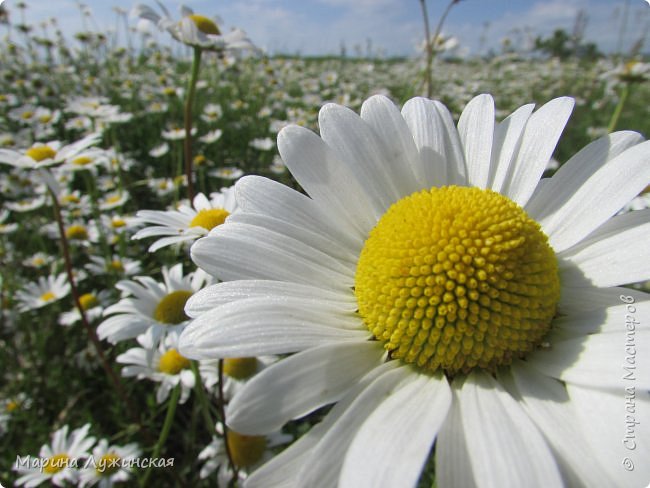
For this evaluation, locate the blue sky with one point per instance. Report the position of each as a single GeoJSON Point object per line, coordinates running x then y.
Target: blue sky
{"type": "Point", "coordinates": [393, 26]}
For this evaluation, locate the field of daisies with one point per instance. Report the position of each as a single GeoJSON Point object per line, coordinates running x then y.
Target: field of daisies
{"type": "Point", "coordinates": [188, 297]}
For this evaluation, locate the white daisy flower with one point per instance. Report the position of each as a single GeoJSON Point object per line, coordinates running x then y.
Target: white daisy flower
{"type": "Point", "coordinates": [48, 289]}
{"type": "Point", "coordinates": [211, 136]}
{"type": "Point", "coordinates": [59, 461]}
{"type": "Point", "coordinates": [150, 307]}
{"type": "Point", "coordinates": [41, 155]}
{"type": "Point", "coordinates": [109, 464]}
{"type": "Point", "coordinates": [194, 29]}
{"type": "Point", "coordinates": [187, 223]}
{"type": "Point", "coordinates": [227, 173]}
{"type": "Point", "coordinates": [92, 304]}
{"type": "Point", "coordinates": [161, 363]}
{"type": "Point", "coordinates": [247, 453]}
{"type": "Point", "coordinates": [117, 265]}
{"type": "Point", "coordinates": [159, 151]}
{"type": "Point", "coordinates": [435, 290]}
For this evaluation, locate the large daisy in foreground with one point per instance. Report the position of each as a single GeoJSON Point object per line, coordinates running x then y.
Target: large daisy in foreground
{"type": "Point", "coordinates": [442, 297]}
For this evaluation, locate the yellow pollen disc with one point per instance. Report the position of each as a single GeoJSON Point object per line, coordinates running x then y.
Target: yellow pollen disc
{"type": "Point", "coordinates": [209, 218]}
{"type": "Point", "coordinates": [76, 232]}
{"type": "Point", "coordinates": [56, 463]}
{"type": "Point", "coordinates": [172, 362]}
{"type": "Point", "coordinates": [44, 119]}
{"type": "Point", "coordinates": [455, 278]}
{"type": "Point", "coordinates": [82, 161]}
{"type": "Point", "coordinates": [48, 296]}
{"type": "Point", "coordinates": [88, 300]}
{"type": "Point", "coordinates": [116, 265]}
{"type": "Point", "coordinates": [246, 450]}
{"type": "Point", "coordinates": [27, 115]}
{"type": "Point", "coordinates": [113, 199]}
{"type": "Point", "coordinates": [12, 406]}
{"type": "Point", "coordinates": [205, 25]}
{"type": "Point", "coordinates": [40, 153]}
{"type": "Point", "coordinates": [117, 223]}
{"type": "Point", "coordinates": [70, 199]}
{"type": "Point", "coordinates": [240, 368]}
{"type": "Point", "coordinates": [171, 309]}
{"type": "Point", "coordinates": [108, 464]}
{"type": "Point", "coordinates": [199, 160]}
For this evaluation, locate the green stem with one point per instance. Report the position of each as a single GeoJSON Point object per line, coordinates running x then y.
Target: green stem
{"type": "Point", "coordinates": [203, 401]}
{"type": "Point", "coordinates": [619, 108]}
{"type": "Point", "coordinates": [429, 47]}
{"type": "Point", "coordinates": [222, 414]}
{"type": "Point", "coordinates": [164, 433]}
{"type": "Point", "coordinates": [189, 100]}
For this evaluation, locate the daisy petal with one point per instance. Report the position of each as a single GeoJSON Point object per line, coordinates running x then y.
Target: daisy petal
{"type": "Point", "coordinates": [326, 179]}
{"type": "Point", "coordinates": [547, 403]}
{"type": "Point", "coordinates": [300, 384]}
{"type": "Point", "coordinates": [537, 145]}
{"type": "Point", "coordinates": [618, 440]}
{"type": "Point", "coordinates": [476, 132]}
{"type": "Point", "coordinates": [405, 424]}
{"type": "Point", "coordinates": [493, 422]}
{"type": "Point", "coordinates": [615, 254]}
{"type": "Point", "coordinates": [599, 360]}
{"type": "Point", "coordinates": [261, 326]}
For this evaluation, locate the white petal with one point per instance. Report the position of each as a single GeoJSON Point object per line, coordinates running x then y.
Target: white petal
{"type": "Point", "coordinates": [598, 360]}
{"type": "Point", "coordinates": [593, 201]}
{"type": "Point", "coordinates": [241, 251]}
{"type": "Point", "coordinates": [261, 195]}
{"type": "Point", "coordinates": [326, 179]}
{"type": "Point", "coordinates": [327, 457]}
{"type": "Point", "coordinates": [507, 137]}
{"type": "Point", "coordinates": [505, 447]}
{"type": "Point", "coordinates": [615, 254]}
{"type": "Point", "coordinates": [476, 131]}
{"type": "Point", "coordinates": [260, 326]}
{"type": "Point", "coordinates": [393, 444]}
{"type": "Point", "coordinates": [452, 468]}
{"type": "Point", "coordinates": [547, 403]}
{"type": "Point", "coordinates": [606, 319]}
{"type": "Point", "coordinates": [395, 142]}
{"type": "Point", "coordinates": [436, 137]}
{"type": "Point", "coordinates": [607, 419]}
{"type": "Point", "coordinates": [588, 297]}
{"type": "Point", "coordinates": [537, 145]}
{"type": "Point", "coordinates": [299, 384]}
{"type": "Point", "coordinates": [229, 291]}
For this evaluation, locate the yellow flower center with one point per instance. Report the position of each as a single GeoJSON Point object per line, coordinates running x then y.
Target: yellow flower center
{"type": "Point", "coordinates": [82, 161]}
{"type": "Point", "coordinates": [27, 115]}
{"type": "Point", "coordinates": [108, 464]}
{"type": "Point", "coordinates": [76, 232]}
{"type": "Point", "coordinates": [209, 218]}
{"type": "Point", "coordinates": [48, 296]}
{"type": "Point", "coordinates": [199, 160]}
{"type": "Point", "coordinates": [56, 463]}
{"type": "Point", "coordinates": [70, 199]}
{"type": "Point", "coordinates": [87, 301]}
{"type": "Point", "coordinates": [117, 222]}
{"type": "Point", "coordinates": [172, 362]}
{"type": "Point", "coordinates": [116, 265]}
{"type": "Point", "coordinates": [44, 119]}
{"type": "Point", "coordinates": [205, 25]}
{"type": "Point", "coordinates": [12, 406]}
{"type": "Point", "coordinates": [454, 278]}
{"type": "Point", "coordinates": [113, 199]}
{"type": "Point", "coordinates": [246, 450]}
{"type": "Point", "coordinates": [40, 153]}
{"type": "Point", "coordinates": [240, 368]}
{"type": "Point", "coordinates": [171, 309]}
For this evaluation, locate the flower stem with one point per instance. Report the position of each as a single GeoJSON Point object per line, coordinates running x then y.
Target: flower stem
{"type": "Point", "coordinates": [429, 47]}
{"type": "Point", "coordinates": [189, 100]}
{"type": "Point", "coordinates": [203, 401]}
{"type": "Point", "coordinates": [164, 433]}
{"type": "Point", "coordinates": [619, 108]}
{"type": "Point", "coordinates": [222, 414]}
{"type": "Point", "coordinates": [92, 335]}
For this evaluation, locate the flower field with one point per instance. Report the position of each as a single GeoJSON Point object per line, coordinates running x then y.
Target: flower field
{"type": "Point", "coordinates": [178, 236]}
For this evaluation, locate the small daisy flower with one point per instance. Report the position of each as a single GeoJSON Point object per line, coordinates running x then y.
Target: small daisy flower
{"type": "Point", "coordinates": [38, 260]}
{"type": "Point", "coordinates": [227, 173]}
{"type": "Point", "coordinates": [159, 151]}
{"type": "Point", "coordinates": [187, 223]}
{"type": "Point", "coordinates": [265, 144]}
{"type": "Point", "coordinates": [150, 307]}
{"type": "Point", "coordinates": [113, 200]}
{"type": "Point", "coordinates": [248, 452]}
{"type": "Point", "coordinates": [117, 265]}
{"type": "Point", "coordinates": [162, 364]}
{"type": "Point", "coordinates": [58, 461]}
{"type": "Point", "coordinates": [42, 155]}
{"type": "Point", "coordinates": [212, 136]}
{"type": "Point", "coordinates": [92, 304]}
{"type": "Point", "coordinates": [195, 30]}
{"type": "Point", "coordinates": [27, 204]}
{"type": "Point", "coordinates": [48, 289]}
{"type": "Point", "coordinates": [6, 227]}
{"type": "Point", "coordinates": [108, 464]}
{"type": "Point", "coordinates": [435, 292]}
